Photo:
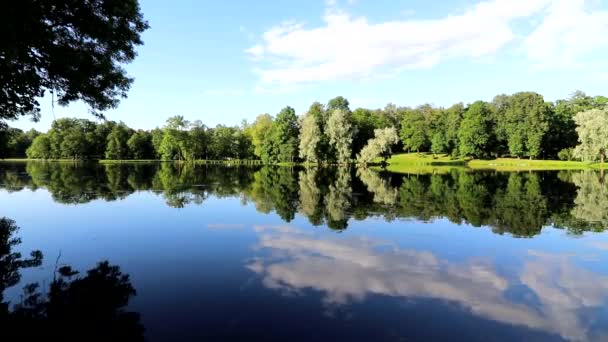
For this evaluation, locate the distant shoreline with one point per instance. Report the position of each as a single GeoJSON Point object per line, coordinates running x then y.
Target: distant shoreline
{"type": "Point", "coordinates": [398, 163]}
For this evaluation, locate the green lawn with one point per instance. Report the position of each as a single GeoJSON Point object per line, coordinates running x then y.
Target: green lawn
{"type": "Point", "coordinates": [426, 162]}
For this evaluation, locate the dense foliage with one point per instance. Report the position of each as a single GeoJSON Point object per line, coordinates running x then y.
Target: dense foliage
{"type": "Point", "coordinates": [74, 49]}
{"type": "Point", "coordinates": [519, 125]}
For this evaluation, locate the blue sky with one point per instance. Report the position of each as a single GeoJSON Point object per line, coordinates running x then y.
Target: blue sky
{"type": "Point", "coordinates": [224, 61]}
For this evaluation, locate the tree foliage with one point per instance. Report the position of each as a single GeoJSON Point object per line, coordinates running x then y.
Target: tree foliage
{"type": "Point", "coordinates": [310, 137]}
{"type": "Point", "coordinates": [474, 133]}
{"type": "Point", "coordinates": [592, 129]}
{"type": "Point", "coordinates": [281, 145]}
{"type": "Point", "coordinates": [340, 132]}
{"type": "Point", "coordinates": [380, 146]}
{"type": "Point", "coordinates": [414, 131]}
{"type": "Point", "coordinates": [74, 49]}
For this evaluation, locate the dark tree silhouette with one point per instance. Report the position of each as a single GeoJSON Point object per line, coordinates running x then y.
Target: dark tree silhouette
{"type": "Point", "coordinates": [89, 308]}
{"type": "Point", "coordinates": [74, 48]}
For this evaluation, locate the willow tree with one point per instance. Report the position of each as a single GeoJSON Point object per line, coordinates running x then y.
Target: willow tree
{"type": "Point", "coordinates": [340, 131]}
{"type": "Point", "coordinates": [592, 129]}
{"type": "Point", "coordinates": [310, 137]}
{"type": "Point", "coordinates": [380, 146]}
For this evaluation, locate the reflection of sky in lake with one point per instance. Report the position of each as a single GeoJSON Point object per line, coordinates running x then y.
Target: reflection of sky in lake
{"type": "Point", "coordinates": [210, 269]}
{"type": "Point", "coordinates": [554, 293]}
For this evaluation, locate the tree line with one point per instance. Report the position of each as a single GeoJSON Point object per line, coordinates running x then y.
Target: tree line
{"type": "Point", "coordinates": [518, 125]}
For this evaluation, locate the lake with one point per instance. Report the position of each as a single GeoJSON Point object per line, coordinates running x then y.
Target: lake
{"type": "Point", "coordinates": [281, 253]}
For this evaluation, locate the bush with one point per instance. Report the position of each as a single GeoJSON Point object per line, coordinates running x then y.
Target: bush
{"type": "Point", "coordinates": [566, 154]}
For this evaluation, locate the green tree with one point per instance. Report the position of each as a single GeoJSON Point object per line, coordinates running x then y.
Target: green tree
{"type": "Point", "coordinates": [592, 134]}
{"type": "Point", "coordinates": [74, 49]}
{"type": "Point", "coordinates": [259, 131]}
{"type": "Point", "coordinates": [562, 128]}
{"type": "Point", "coordinates": [170, 146]}
{"type": "Point", "coordinates": [310, 136]}
{"type": "Point", "coordinates": [199, 140]}
{"type": "Point", "coordinates": [340, 132]}
{"type": "Point", "coordinates": [73, 145]}
{"type": "Point", "coordinates": [413, 131]}
{"type": "Point", "coordinates": [223, 144]}
{"type": "Point", "coordinates": [475, 130]}
{"type": "Point", "coordinates": [379, 146]}
{"type": "Point", "coordinates": [525, 123]}
{"type": "Point", "coordinates": [324, 151]}
{"type": "Point", "coordinates": [40, 148]}
{"type": "Point", "coordinates": [117, 143]}
{"type": "Point", "coordinates": [157, 139]}
{"type": "Point", "coordinates": [282, 142]}
{"type": "Point", "coordinates": [439, 143]}
{"type": "Point", "coordinates": [338, 102]}
{"type": "Point", "coordinates": [140, 145]}
{"type": "Point", "coordinates": [453, 118]}
{"type": "Point", "coordinates": [174, 144]}
{"type": "Point", "coordinates": [365, 121]}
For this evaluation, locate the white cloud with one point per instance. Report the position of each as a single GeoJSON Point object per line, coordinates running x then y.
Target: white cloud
{"type": "Point", "coordinates": [571, 30]}
{"type": "Point", "coordinates": [349, 48]}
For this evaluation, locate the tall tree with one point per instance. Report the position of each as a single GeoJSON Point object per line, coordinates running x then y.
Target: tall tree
{"type": "Point", "coordinates": [413, 130]}
{"type": "Point", "coordinates": [317, 110]}
{"type": "Point", "coordinates": [340, 132]}
{"type": "Point", "coordinates": [453, 118]}
{"type": "Point", "coordinates": [525, 123]}
{"type": "Point", "coordinates": [310, 136]}
{"type": "Point", "coordinates": [117, 147]}
{"type": "Point", "coordinates": [40, 148]}
{"type": "Point", "coordinates": [282, 142]}
{"type": "Point", "coordinates": [475, 130]}
{"type": "Point", "coordinates": [592, 134]}
{"type": "Point", "coordinates": [338, 102]}
{"type": "Point", "coordinates": [140, 145]}
{"type": "Point", "coordinates": [259, 131]}
{"type": "Point", "coordinates": [199, 140]}
{"type": "Point", "coordinates": [75, 49]}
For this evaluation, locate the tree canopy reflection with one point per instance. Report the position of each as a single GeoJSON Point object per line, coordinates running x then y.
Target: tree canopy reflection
{"type": "Point", "coordinates": [516, 203]}
{"type": "Point", "coordinates": [73, 308]}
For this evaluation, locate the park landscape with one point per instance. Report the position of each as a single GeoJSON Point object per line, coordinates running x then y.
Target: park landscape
{"type": "Point", "coordinates": [480, 217]}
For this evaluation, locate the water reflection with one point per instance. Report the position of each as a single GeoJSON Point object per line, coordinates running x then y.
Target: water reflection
{"type": "Point", "coordinates": [555, 294]}
{"type": "Point", "coordinates": [517, 203]}
{"type": "Point", "coordinates": [90, 307]}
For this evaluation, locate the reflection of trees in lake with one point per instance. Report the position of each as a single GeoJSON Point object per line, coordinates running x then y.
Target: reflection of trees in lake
{"type": "Point", "coordinates": [275, 188]}
{"type": "Point", "coordinates": [91, 307]}
{"type": "Point", "coordinates": [311, 204]}
{"type": "Point", "coordinates": [383, 192]}
{"type": "Point", "coordinates": [520, 208]}
{"type": "Point", "coordinates": [517, 203]}
{"type": "Point", "coordinates": [591, 203]}
{"type": "Point", "coordinates": [337, 201]}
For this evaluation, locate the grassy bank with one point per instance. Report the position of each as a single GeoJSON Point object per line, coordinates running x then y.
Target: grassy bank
{"type": "Point", "coordinates": [23, 160]}
{"type": "Point", "coordinates": [417, 163]}
{"type": "Point", "coordinates": [426, 162]}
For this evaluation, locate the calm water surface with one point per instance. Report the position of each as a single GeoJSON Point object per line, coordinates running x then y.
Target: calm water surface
{"type": "Point", "coordinates": [217, 252]}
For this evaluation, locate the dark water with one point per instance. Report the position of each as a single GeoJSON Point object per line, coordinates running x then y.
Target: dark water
{"type": "Point", "coordinates": [218, 253]}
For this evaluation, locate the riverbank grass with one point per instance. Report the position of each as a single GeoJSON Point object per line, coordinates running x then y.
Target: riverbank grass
{"type": "Point", "coordinates": [412, 162]}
